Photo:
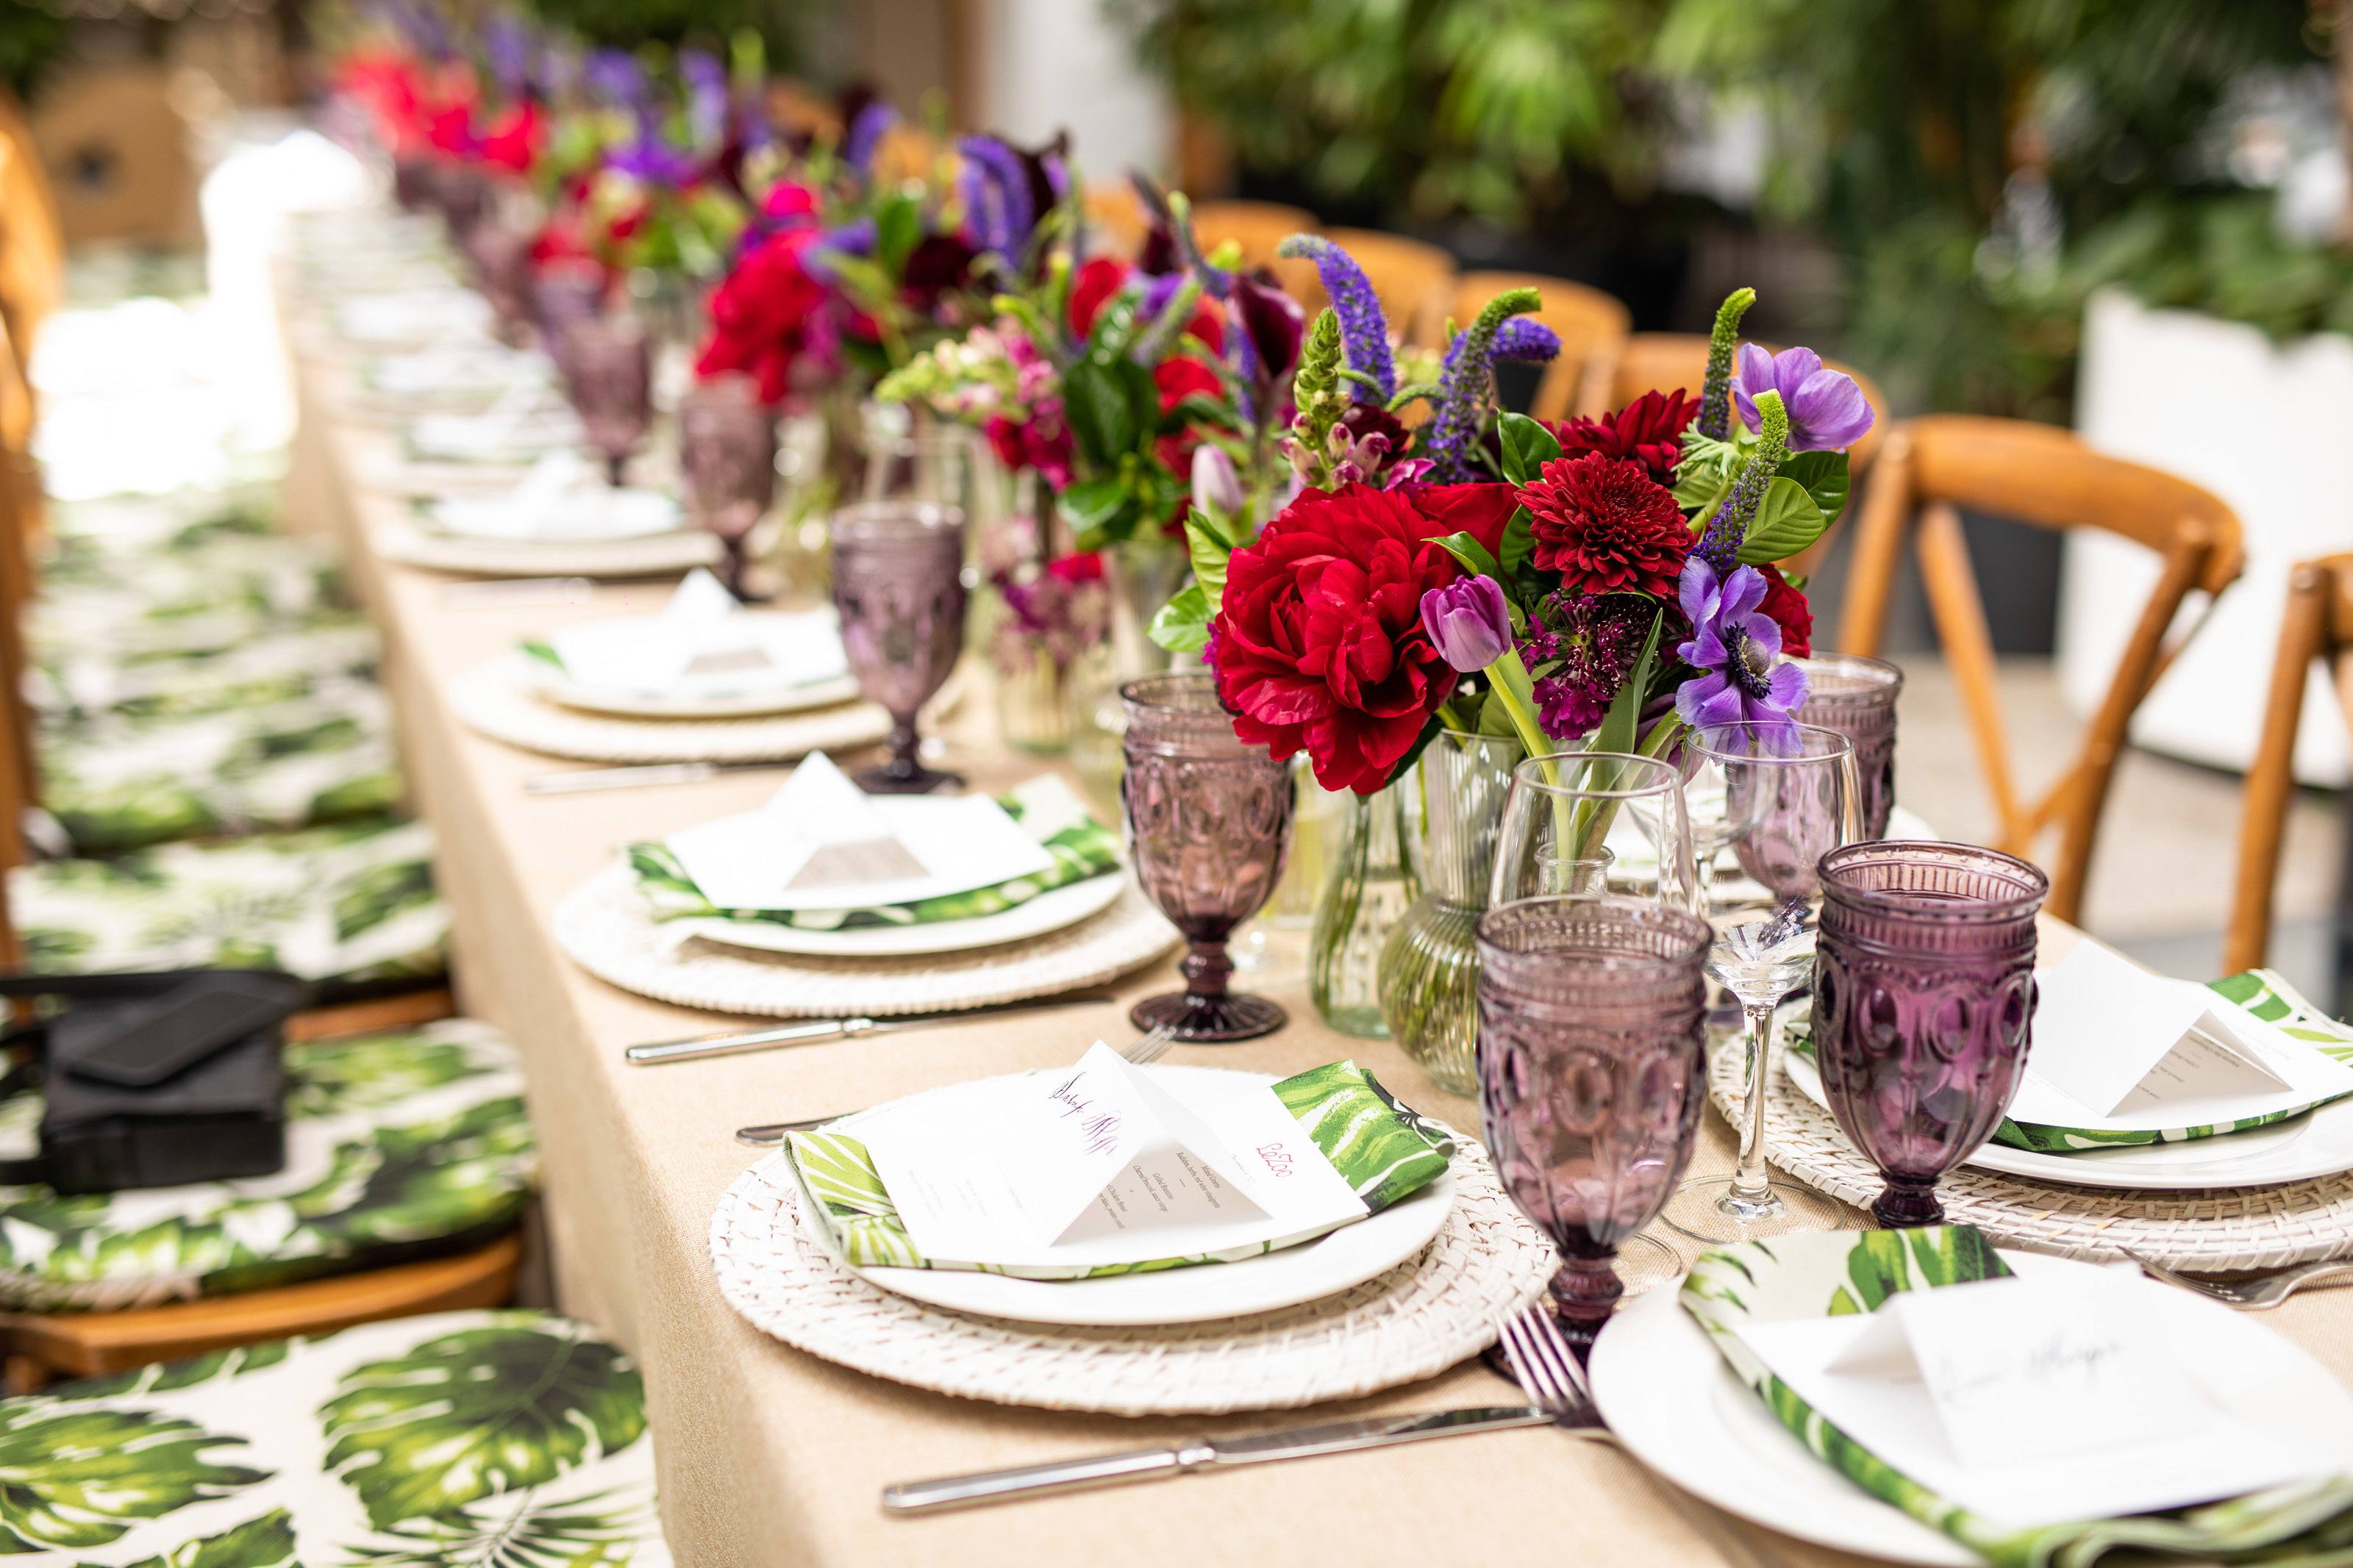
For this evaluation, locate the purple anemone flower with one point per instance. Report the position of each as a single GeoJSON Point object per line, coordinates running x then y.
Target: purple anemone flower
{"type": "Point", "coordinates": [997, 201]}
{"type": "Point", "coordinates": [1737, 652]}
{"type": "Point", "coordinates": [614, 76]}
{"type": "Point", "coordinates": [1828, 411]}
{"type": "Point", "coordinates": [1468, 622]}
{"type": "Point", "coordinates": [652, 161]}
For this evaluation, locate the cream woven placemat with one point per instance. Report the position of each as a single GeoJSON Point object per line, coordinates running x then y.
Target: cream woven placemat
{"type": "Point", "coordinates": [496, 699]}
{"type": "Point", "coordinates": [2206, 1232]}
{"type": "Point", "coordinates": [604, 927]}
{"type": "Point", "coordinates": [650, 555]}
{"type": "Point", "coordinates": [1414, 1322]}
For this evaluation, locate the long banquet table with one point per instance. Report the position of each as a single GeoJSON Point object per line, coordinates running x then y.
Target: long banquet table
{"type": "Point", "coordinates": [771, 1456]}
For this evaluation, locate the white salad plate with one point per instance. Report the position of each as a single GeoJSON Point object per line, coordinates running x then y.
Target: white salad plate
{"type": "Point", "coordinates": [1049, 911]}
{"type": "Point", "coordinates": [587, 516]}
{"type": "Point", "coordinates": [1676, 1405]}
{"type": "Point", "coordinates": [1200, 1292]}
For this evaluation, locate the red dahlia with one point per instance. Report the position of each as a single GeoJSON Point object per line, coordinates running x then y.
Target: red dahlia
{"type": "Point", "coordinates": [1606, 526]}
{"type": "Point", "coordinates": [1648, 430]}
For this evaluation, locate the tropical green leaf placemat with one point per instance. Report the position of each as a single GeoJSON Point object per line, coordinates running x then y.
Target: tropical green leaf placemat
{"type": "Point", "coordinates": [1833, 1273]}
{"type": "Point", "coordinates": [1384, 1152]}
{"type": "Point", "coordinates": [1046, 808]}
{"type": "Point", "coordinates": [2262, 992]}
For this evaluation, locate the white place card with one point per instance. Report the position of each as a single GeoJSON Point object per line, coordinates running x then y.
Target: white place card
{"type": "Point", "coordinates": [821, 844]}
{"type": "Point", "coordinates": [1103, 1164]}
{"type": "Point", "coordinates": [2029, 1401]}
{"type": "Point", "coordinates": [2115, 1049]}
{"type": "Point", "coordinates": [701, 641]}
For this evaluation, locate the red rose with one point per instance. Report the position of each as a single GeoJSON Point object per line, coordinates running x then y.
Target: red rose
{"type": "Point", "coordinates": [1787, 606]}
{"type": "Point", "coordinates": [1086, 567]}
{"type": "Point", "coordinates": [760, 313]}
{"type": "Point", "coordinates": [1097, 284]}
{"type": "Point", "coordinates": [513, 140]}
{"type": "Point", "coordinates": [1606, 526]}
{"type": "Point", "coordinates": [1648, 430]}
{"type": "Point", "coordinates": [1319, 645]}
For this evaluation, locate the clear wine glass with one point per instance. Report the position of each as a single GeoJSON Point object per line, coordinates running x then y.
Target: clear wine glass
{"type": "Point", "coordinates": [1790, 796]}
{"type": "Point", "coordinates": [898, 586]}
{"type": "Point", "coordinates": [1569, 817]}
{"type": "Point", "coordinates": [610, 370]}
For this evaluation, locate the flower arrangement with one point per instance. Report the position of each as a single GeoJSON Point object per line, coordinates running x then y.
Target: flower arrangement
{"type": "Point", "coordinates": [1606, 583]}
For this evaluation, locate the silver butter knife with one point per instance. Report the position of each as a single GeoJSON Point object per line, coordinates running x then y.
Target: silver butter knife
{"type": "Point", "coordinates": [1201, 1454]}
{"type": "Point", "coordinates": [653, 1053]}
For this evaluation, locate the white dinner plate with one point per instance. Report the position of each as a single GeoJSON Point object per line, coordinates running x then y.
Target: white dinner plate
{"type": "Point", "coordinates": [1201, 1292]}
{"type": "Point", "coordinates": [1049, 911]}
{"type": "Point", "coordinates": [750, 703]}
{"type": "Point", "coordinates": [1675, 1406]}
{"type": "Point", "coordinates": [579, 517]}
{"type": "Point", "coordinates": [2320, 1143]}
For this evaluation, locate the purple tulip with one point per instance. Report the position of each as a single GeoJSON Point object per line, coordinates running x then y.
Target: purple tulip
{"type": "Point", "coordinates": [1468, 622]}
{"type": "Point", "coordinates": [1217, 487]}
{"type": "Point", "coordinates": [1828, 411]}
{"type": "Point", "coordinates": [1272, 321]}
{"type": "Point", "coordinates": [1737, 652]}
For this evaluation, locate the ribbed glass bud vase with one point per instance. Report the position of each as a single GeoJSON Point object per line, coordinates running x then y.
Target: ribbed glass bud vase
{"type": "Point", "coordinates": [1367, 890]}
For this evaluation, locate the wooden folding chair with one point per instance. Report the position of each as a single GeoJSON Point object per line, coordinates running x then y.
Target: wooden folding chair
{"type": "Point", "coordinates": [1413, 280]}
{"type": "Point", "coordinates": [1593, 328]}
{"type": "Point", "coordinates": [1928, 469]}
{"type": "Point", "coordinates": [2317, 625]}
{"type": "Point", "coordinates": [1116, 221]}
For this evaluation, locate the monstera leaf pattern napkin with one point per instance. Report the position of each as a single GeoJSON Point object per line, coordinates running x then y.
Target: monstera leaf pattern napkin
{"type": "Point", "coordinates": [1833, 1273]}
{"type": "Point", "coordinates": [1384, 1151]}
{"type": "Point", "coordinates": [2262, 992]}
{"type": "Point", "coordinates": [1048, 808]}
{"type": "Point", "coordinates": [514, 1439]}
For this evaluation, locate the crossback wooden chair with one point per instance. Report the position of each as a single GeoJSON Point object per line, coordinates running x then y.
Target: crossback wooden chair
{"type": "Point", "coordinates": [1115, 218]}
{"type": "Point", "coordinates": [1592, 326]}
{"type": "Point", "coordinates": [2317, 624]}
{"type": "Point", "coordinates": [31, 238]}
{"type": "Point", "coordinates": [1928, 470]}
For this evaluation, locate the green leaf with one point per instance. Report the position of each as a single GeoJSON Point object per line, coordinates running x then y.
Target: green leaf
{"type": "Point", "coordinates": [1200, 408]}
{"type": "Point", "coordinates": [267, 1541]}
{"type": "Point", "coordinates": [898, 228]}
{"type": "Point", "coordinates": [1471, 555]}
{"type": "Point", "coordinates": [1519, 543]}
{"type": "Point", "coordinates": [83, 1476]}
{"type": "Point", "coordinates": [473, 1413]}
{"type": "Point", "coordinates": [1824, 476]}
{"type": "Point", "coordinates": [1527, 446]}
{"type": "Point", "coordinates": [1786, 522]}
{"type": "Point", "coordinates": [1496, 717]}
{"type": "Point", "coordinates": [1182, 624]}
{"type": "Point", "coordinates": [1091, 503]}
{"type": "Point", "coordinates": [1098, 409]}
{"type": "Point", "coordinates": [1210, 552]}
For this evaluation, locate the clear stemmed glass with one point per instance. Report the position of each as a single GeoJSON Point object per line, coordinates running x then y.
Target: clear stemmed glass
{"type": "Point", "coordinates": [1790, 796]}
{"type": "Point", "coordinates": [727, 457]}
{"type": "Point", "coordinates": [1592, 1075]}
{"type": "Point", "coordinates": [608, 367]}
{"type": "Point", "coordinates": [1208, 827]}
{"type": "Point", "coordinates": [1922, 1005]}
{"type": "Point", "coordinates": [1560, 812]}
{"type": "Point", "coordinates": [898, 586]}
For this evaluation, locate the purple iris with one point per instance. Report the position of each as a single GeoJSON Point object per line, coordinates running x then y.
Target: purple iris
{"type": "Point", "coordinates": [1363, 328]}
{"type": "Point", "coordinates": [866, 133]}
{"type": "Point", "coordinates": [1828, 411]}
{"type": "Point", "coordinates": [1737, 652]}
{"type": "Point", "coordinates": [1000, 213]}
{"type": "Point", "coordinates": [1468, 622]}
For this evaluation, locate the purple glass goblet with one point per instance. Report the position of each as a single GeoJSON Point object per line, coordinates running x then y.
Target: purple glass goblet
{"type": "Point", "coordinates": [1856, 697]}
{"type": "Point", "coordinates": [563, 291]}
{"type": "Point", "coordinates": [898, 586]}
{"type": "Point", "coordinates": [464, 197]}
{"type": "Point", "coordinates": [1208, 829]}
{"type": "Point", "coordinates": [1592, 1073]}
{"type": "Point", "coordinates": [1923, 995]}
{"type": "Point", "coordinates": [499, 255]}
{"type": "Point", "coordinates": [412, 183]}
{"type": "Point", "coordinates": [610, 374]}
{"type": "Point", "coordinates": [727, 456]}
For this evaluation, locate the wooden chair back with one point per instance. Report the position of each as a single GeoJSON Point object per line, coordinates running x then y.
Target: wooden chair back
{"type": "Point", "coordinates": [1593, 328]}
{"type": "Point", "coordinates": [2318, 623]}
{"type": "Point", "coordinates": [1116, 221]}
{"type": "Point", "coordinates": [31, 238]}
{"type": "Point", "coordinates": [1931, 468]}
{"type": "Point", "coordinates": [1257, 228]}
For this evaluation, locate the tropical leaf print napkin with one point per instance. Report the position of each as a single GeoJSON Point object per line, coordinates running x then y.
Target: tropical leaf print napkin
{"type": "Point", "coordinates": [1384, 1151]}
{"type": "Point", "coordinates": [1046, 806]}
{"type": "Point", "coordinates": [1833, 1273]}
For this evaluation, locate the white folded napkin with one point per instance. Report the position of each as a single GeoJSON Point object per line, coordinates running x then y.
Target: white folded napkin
{"type": "Point", "coordinates": [465, 371]}
{"type": "Point", "coordinates": [415, 316]}
{"type": "Point", "coordinates": [561, 498]}
{"type": "Point", "coordinates": [702, 643]}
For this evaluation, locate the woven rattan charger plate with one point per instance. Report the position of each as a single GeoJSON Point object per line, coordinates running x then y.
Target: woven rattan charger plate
{"type": "Point", "coordinates": [646, 555]}
{"type": "Point", "coordinates": [1414, 1322]}
{"type": "Point", "coordinates": [604, 927]}
{"type": "Point", "coordinates": [498, 699]}
{"type": "Point", "coordinates": [2217, 1231]}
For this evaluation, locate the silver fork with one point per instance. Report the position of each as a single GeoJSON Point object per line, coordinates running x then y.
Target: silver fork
{"type": "Point", "coordinates": [1548, 1370]}
{"type": "Point", "coordinates": [1147, 1049]}
{"type": "Point", "coordinates": [2257, 1295]}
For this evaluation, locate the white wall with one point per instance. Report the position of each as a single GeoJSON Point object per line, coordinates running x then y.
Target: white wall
{"type": "Point", "coordinates": [1051, 65]}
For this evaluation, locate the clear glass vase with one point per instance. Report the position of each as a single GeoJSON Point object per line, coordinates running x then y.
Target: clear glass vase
{"type": "Point", "coordinates": [1429, 963]}
{"type": "Point", "coordinates": [1139, 577]}
{"type": "Point", "coordinates": [1033, 707]}
{"type": "Point", "coordinates": [1367, 890]}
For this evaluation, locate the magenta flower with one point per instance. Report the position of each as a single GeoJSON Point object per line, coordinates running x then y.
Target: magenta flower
{"type": "Point", "coordinates": [1828, 411]}
{"type": "Point", "coordinates": [1468, 622]}
{"type": "Point", "coordinates": [1737, 651]}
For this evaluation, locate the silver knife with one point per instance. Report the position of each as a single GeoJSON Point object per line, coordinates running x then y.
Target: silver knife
{"type": "Point", "coordinates": [655, 1052]}
{"type": "Point", "coordinates": [1201, 1454]}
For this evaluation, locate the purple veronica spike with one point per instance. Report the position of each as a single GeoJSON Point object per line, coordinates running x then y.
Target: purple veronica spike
{"type": "Point", "coordinates": [1828, 411]}
{"type": "Point", "coordinates": [507, 42]}
{"type": "Point", "coordinates": [866, 133]}
{"type": "Point", "coordinates": [994, 172]}
{"type": "Point", "coordinates": [706, 93]}
{"type": "Point", "coordinates": [1468, 621]}
{"type": "Point", "coordinates": [1364, 328]}
{"type": "Point", "coordinates": [616, 77]}
{"type": "Point", "coordinates": [1463, 384]}
{"type": "Point", "coordinates": [1526, 341]}
{"type": "Point", "coordinates": [1736, 651]}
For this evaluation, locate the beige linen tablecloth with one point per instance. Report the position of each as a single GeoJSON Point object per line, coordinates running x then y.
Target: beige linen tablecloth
{"type": "Point", "coordinates": [770, 1456]}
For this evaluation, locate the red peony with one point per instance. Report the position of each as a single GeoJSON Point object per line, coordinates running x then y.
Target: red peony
{"type": "Point", "coordinates": [1786, 606]}
{"type": "Point", "coordinates": [513, 140]}
{"type": "Point", "coordinates": [1606, 526]}
{"type": "Point", "coordinates": [1648, 431]}
{"type": "Point", "coordinates": [761, 311]}
{"type": "Point", "coordinates": [1318, 644]}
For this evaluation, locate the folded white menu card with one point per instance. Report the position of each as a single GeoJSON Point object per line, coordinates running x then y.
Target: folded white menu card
{"type": "Point", "coordinates": [2030, 1400]}
{"type": "Point", "coordinates": [703, 640]}
{"type": "Point", "coordinates": [1099, 1164]}
{"type": "Point", "coordinates": [2117, 1049]}
{"type": "Point", "coordinates": [820, 843]}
